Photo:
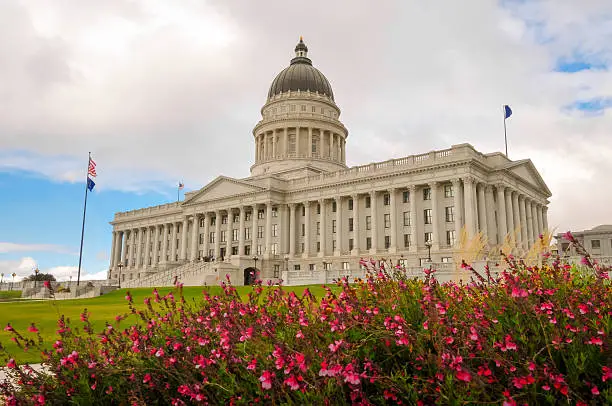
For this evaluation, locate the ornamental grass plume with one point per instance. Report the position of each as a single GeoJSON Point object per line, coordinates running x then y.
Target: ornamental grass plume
{"type": "Point", "coordinates": [532, 335]}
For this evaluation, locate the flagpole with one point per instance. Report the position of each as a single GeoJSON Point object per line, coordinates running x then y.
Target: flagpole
{"type": "Point", "coordinates": [505, 136]}
{"type": "Point", "coordinates": [83, 226]}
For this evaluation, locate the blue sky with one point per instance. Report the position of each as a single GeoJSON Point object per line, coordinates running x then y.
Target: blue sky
{"type": "Point", "coordinates": [161, 91]}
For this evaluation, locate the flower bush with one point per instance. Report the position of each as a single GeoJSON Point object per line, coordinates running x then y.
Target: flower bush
{"type": "Point", "coordinates": [526, 336]}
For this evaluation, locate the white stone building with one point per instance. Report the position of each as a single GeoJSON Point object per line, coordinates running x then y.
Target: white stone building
{"type": "Point", "coordinates": [303, 212]}
{"type": "Point", "coordinates": [597, 241]}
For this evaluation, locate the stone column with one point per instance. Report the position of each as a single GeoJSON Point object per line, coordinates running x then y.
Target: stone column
{"type": "Point", "coordinates": [468, 185]}
{"type": "Point", "coordinates": [534, 217]}
{"type": "Point", "coordinates": [183, 253]}
{"type": "Point", "coordinates": [206, 245]}
{"type": "Point", "coordinates": [217, 234]}
{"type": "Point", "coordinates": [393, 217]}
{"type": "Point", "coordinates": [268, 232]}
{"type": "Point", "coordinates": [482, 210]}
{"type": "Point", "coordinates": [228, 234]}
{"type": "Point", "coordinates": [254, 230]}
{"type": "Point", "coordinates": [414, 229]}
{"type": "Point", "coordinates": [241, 221]}
{"type": "Point", "coordinates": [309, 150]}
{"type": "Point", "coordinates": [286, 141]}
{"type": "Point", "coordinates": [545, 217]}
{"type": "Point", "coordinates": [164, 242]}
{"type": "Point", "coordinates": [195, 236]}
{"type": "Point", "coordinates": [292, 229]}
{"type": "Point", "coordinates": [297, 141]}
{"type": "Point", "coordinates": [524, 228]}
{"type": "Point", "coordinates": [540, 222]}
{"type": "Point", "coordinates": [356, 237]}
{"type": "Point", "coordinates": [173, 241]}
{"type": "Point", "coordinates": [374, 223]}
{"type": "Point", "coordinates": [124, 256]}
{"type": "Point", "coordinates": [435, 226]}
{"type": "Point", "coordinates": [501, 213]}
{"type": "Point", "coordinates": [516, 219]}
{"type": "Point", "coordinates": [118, 245]}
{"type": "Point", "coordinates": [147, 255]}
{"type": "Point", "coordinates": [456, 209]}
{"type": "Point", "coordinates": [322, 218]}
{"type": "Point", "coordinates": [509, 212]}
{"type": "Point", "coordinates": [133, 247]}
{"type": "Point", "coordinates": [274, 148]}
{"type": "Point", "coordinates": [529, 218]}
{"type": "Point", "coordinates": [306, 252]}
{"type": "Point", "coordinates": [338, 250]}
{"type": "Point", "coordinates": [113, 248]}
{"type": "Point", "coordinates": [154, 260]}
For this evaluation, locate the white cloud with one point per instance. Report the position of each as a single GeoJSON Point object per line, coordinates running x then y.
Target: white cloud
{"type": "Point", "coordinates": [7, 247]}
{"type": "Point", "coordinates": [163, 90]}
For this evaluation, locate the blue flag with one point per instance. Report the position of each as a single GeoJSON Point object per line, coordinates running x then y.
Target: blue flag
{"type": "Point", "coordinates": [507, 111]}
{"type": "Point", "coordinates": [90, 184]}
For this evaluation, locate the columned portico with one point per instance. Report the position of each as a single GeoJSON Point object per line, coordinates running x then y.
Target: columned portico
{"type": "Point", "coordinates": [456, 208]}
{"type": "Point", "coordinates": [184, 228]}
{"type": "Point", "coordinates": [502, 228]}
{"type": "Point", "coordinates": [468, 191]}
{"type": "Point", "coordinates": [492, 236]}
{"type": "Point", "coordinates": [516, 218]}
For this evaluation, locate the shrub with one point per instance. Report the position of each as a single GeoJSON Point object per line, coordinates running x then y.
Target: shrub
{"type": "Point", "coordinates": [529, 335]}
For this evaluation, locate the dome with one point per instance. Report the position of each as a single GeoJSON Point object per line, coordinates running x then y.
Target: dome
{"type": "Point", "coordinates": [301, 75]}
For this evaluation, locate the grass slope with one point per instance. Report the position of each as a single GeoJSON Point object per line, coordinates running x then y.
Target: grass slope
{"type": "Point", "coordinates": [102, 309]}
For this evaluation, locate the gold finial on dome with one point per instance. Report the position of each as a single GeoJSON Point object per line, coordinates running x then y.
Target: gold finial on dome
{"type": "Point", "coordinates": [301, 39]}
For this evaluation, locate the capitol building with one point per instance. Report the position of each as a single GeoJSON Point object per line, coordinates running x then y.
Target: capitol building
{"type": "Point", "coordinates": [304, 216]}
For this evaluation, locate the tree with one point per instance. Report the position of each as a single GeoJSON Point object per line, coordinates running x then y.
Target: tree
{"type": "Point", "coordinates": [40, 277]}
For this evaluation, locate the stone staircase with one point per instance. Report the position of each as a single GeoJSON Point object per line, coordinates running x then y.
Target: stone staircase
{"type": "Point", "coordinates": [189, 274]}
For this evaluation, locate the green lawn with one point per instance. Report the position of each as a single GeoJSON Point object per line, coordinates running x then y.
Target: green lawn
{"type": "Point", "coordinates": [7, 295]}
{"type": "Point", "coordinates": [104, 308]}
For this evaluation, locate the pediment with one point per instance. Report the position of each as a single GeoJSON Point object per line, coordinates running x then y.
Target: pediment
{"type": "Point", "coordinates": [223, 187]}
{"type": "Point", "coordinates": [528, 173]}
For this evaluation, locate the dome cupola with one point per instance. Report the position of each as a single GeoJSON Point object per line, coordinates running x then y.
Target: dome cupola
{"type": "Point", "coordinates": [301, 75]}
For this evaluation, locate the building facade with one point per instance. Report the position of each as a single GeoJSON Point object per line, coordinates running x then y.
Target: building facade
{"type": "Point", "coordinates": [597, 242]}
{"type": "Point", "coordinates": [303, 210]}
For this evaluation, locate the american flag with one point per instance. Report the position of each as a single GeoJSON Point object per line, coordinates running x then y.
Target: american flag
{"type": "Point", "coordinates": [181, 185]}
{"type": "Point", "coordinates": [91, 171]}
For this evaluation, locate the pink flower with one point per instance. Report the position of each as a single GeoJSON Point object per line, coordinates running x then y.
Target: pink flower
{"type": "Point", "coordinates": [11, 364]}
{"type": "Point", "coordinates": [47, 284]}
{"type": "Point", "coordinates": [266, 379]}
{"type": "Point", "coordinates": [594, 390]}
{"type": "Point", "coordinates": [147, 378]}
{"type": "Point", "coordinates": [128, 297]}
{"type": "Point", "coordinates": [606, 374]}
{"type": "Point", "coordinates": [32, 328]}
{"type": "Point", "coordinates": [463, 376]}
{"type": "Point", "coordinates": [252, 364]}
{"type": "Point", "coordinates": [9, 327]}
{"type": "Point", "coordinates": [292, 382]}
{"type": "Point", "coordinates": [336, 346]}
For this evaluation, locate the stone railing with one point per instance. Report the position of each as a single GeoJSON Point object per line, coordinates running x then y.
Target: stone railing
{"type": "Point", "coordinates": [181, 273]}
{"type": "Point", "coordinates": [161, 209]}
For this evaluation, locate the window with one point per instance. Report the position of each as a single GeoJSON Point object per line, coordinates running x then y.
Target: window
{"type": "Point", "coordinates": [303, 230]}
{"type": "Point", "coordinates": [223, 236]}
{"type": "Point", "coordinates": [318, 208]}
{"type": "Point", "coordinates": [247, 216]}
{"type": "Point", "coordinates": [318, 246]}
{"type": "Point", "coordinates": [327, 266]}
{"type": "Point", "coordinates": [449, 213]}
{"type": "Point", "coordinates": [234, 250]}
{"type": "Point", "coordinates": [303, 211]}
{"type": "Point", "coordinates": [351, 246]}
{"type": "Point", "coordinates": [595, 244]}
{"type": "Point", "coordinates": [202, 222]}
{"type": "Point", "coordinates": [333, 226]}
{"type": "Point", "coordinates": [406, 196]}
{"type": "Point", "coordinates": [311, 267]}
{"type": "Point", "coordinates": [368, 243]}
{"type": "Point", "coordinates": [427, 215]}
{"type": "Point", "coordinates": [322, 110]}
{"type": "Point", "coordinates": [448, 191]}
{"type": "Point", "coordinates": [211, 253]}
{"type": "Point", "coordinates": [259, 249]}
{"type": "Point", "coordinates": [274, 211]}
{"type": "Point", "coordinates": [350, 224]}
{"type": "Point", "coordinates": [386, 199]}
{"type": "Point", "coordinates": [387, 218]}
{"type": "Point", "coordinates": [276, 271]}
{"type": "Point", "coordinates": [296, 267]}
{"type": "Point", "coordinates": [292, 107]}
{"type": "Point", "coordinates": [334, 206]}
{"type": "Point", "coordinates": [447, 260]}
{"type": "Point", "coordinates": [428, 237]}
{"type": "Point", "coordinates": [427, 194]}
{"type": "Point", "coordinates": [350, 204]}
{"type": "Point", "coordinates": [333, 245]}
{"type": "Point", "coordinates": [202, 238]}
{"type": "Point", "coordinates": [302, 246]}
{"type": "Point", "coordinates": [260, 214]}
{"type": "Point", "coordinates": [318, 228]}
{"type": "Point", "coordinates": [283, 109]}
{"type": "Point", "coordinates": [213, 221]}
{"type": "Point", "coordinates": [406, 218]}
{"type": "Point", "coordinates": [274, 248]}
{"type": "Point", "coordinates": [274, 230]}
{"type": "Point", "coordinates": [346, 266]}
{"type": "Point", "coordinates": [406, 240]}
{"type": "Point", "coordinates": [387, 241]}
{"type": "Point", "coordinates": [303, 107]}
{"type": "Point", "coordinates": [235, 234]}
{"type": "Point", "coordinates": [368, 222]}
{"type": "Point", "coordinates": [368, 202]}
{"type": "Point", "coordinates": [260, 231]}
{"type": "Point", "coordinates": [224, 219]}
{"type": "Point", "coordinates": [236, 218]}
{"type": "Point", "coordinates": [450, 238]}
{"type": "Point", "coordinates": [247, 233]}
{"type": "Point", "coordinates": [200, 255]}
{"type": "Point", "coordinates": [247, 250]}
{"type": "Point", "coordinates": [211, 237]}
{"type": "Point", "coordinates": [314, 109]}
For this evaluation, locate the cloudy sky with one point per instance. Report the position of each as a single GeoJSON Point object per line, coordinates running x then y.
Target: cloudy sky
{"type": "Point", "coordinates": [161, 90]}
